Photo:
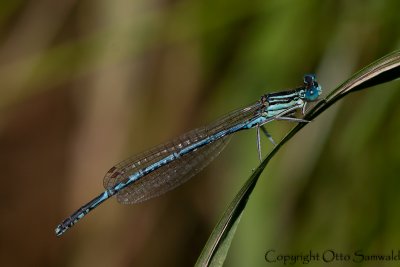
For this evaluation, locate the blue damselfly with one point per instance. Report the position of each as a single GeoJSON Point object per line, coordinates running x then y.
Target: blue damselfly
{"type": "Point", "coordinates": [165, 167]}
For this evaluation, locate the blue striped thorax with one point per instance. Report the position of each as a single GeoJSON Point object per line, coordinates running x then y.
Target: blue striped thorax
{"type": "Point", "coordinates": [309, 92]}
{"type": "Point", "coordinates": [276, 103]}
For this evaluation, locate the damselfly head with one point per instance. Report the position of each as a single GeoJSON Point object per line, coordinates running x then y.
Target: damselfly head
{"type": "Point", "coordinates": [312, 90]}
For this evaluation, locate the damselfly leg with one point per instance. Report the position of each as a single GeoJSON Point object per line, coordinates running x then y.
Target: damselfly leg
{"type": "Point", "coordinates": [285, 115]}
{"type": "Point", "coordinates": [258, 142]}
{"type": "Point", "coordinates": [268, 135]}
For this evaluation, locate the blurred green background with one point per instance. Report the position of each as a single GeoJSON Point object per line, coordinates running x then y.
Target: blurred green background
{"type": "Point", "coordinates": [85, 84]}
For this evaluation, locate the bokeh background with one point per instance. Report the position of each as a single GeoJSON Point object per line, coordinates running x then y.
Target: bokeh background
{"type": "Point", "coordinates": [85, 84]}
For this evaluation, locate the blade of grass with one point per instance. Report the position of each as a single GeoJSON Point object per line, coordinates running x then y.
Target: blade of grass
{"type": "Point", "coordinates": [215, 251]}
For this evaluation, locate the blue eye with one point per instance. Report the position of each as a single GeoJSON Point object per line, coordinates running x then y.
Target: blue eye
{"type": "Point", "coordinates": [312, 93]}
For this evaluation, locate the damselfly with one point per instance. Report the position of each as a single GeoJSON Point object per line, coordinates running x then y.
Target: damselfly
{"type": "Point", "coordinates": [165, 167]}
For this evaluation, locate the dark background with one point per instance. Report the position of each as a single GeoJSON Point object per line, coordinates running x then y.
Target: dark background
{"type": "Point", "coordinates": [85, 84]}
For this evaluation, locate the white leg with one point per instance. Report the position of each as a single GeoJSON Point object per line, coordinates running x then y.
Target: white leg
{"type": "Point", "coordinates": [258, 142]}
{"type": "Point", "coordinates": [291, 119]}
{"type": "Point", "coordinates": [303, 110]}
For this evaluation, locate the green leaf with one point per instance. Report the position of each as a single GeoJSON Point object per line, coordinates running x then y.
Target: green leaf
{"type": "Point", "coordinates": [215, 251]}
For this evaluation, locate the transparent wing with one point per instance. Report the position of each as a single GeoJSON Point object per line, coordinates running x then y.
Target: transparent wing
{"type": "Point", "coordinates": [181, 169]}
